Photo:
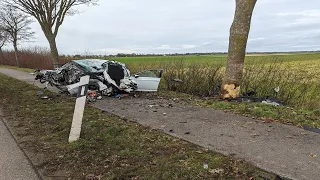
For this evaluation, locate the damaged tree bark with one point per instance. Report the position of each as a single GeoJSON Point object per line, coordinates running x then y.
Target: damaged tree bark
{"type": "Point", "coordinates": [239, 33]}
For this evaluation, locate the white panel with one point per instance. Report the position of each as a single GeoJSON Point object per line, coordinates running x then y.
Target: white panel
{"type": "Point", "coordinates": [147, 83]}
{"type": "Point", "coordinates": [77, 119]}
{"type": "Point", "coordinates": [84, 80]}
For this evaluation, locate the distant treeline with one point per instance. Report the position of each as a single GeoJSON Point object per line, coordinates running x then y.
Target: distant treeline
{"type": "Point", "coordinates": [185, 54]}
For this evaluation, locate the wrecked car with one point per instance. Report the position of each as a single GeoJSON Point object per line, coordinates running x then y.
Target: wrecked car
{"type": "Point", "coordinates": [107, 77]}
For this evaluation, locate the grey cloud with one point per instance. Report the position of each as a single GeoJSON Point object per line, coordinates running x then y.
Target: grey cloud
{"type": "Point", "coordinates": [168, 26]}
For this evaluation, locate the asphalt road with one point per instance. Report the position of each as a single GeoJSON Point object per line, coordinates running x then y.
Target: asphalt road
{"type": "Point", "coordinates": [13, 163]}
{"type": "Point", "coordinates": [286, 150]}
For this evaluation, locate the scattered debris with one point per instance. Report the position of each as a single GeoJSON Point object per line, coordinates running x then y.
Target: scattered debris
{"type": "Point", "coordinates": [99, 97]}
{"type": "Point", "coordinates": [171, 131]}
{"type": "Point", "coordinates": [312, 155]}
{"type": "Point", "coordinates": [39, 93]}
{"type": "Point", "coordinates": [269, 102]}
{"type": "Point", "coordinates": [187, 133]}
{"type": "Point", "coordinates": [124, 95]}
{"type": "Point", "coordinates": [205, 166]}
{"type": "Point", "coordinates": [177, 80]}
{"type": "Point", "coordinates": [268, 177]}
{"type": "Point", "coordinates": [45, 97]}
{"type": "Point", "coordinates": [165, 114]}
{"type": "Point", "coordinates": [92, 96]}
{"type": "Point", "coordinates": [265, 100]}
{"type": "Point", "coordinates": [216, 171]}
{"type": "Point", "coordinates": [249, 93]}
{"type": "Point", "coordinates": [312, 129]}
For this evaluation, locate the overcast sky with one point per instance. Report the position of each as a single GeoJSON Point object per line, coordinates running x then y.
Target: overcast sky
{"type": "Point", "coordinates": [169, 26]}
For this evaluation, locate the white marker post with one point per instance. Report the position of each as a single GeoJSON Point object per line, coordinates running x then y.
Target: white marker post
{"type": "Point", "coordinates": [79, 109]}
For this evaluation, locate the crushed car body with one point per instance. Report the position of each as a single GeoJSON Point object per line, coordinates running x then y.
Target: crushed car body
{"type": "Point", "coordinates": [107, 77]}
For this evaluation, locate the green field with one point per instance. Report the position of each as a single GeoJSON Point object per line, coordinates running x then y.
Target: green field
{"type": "Point", "coordinates": [308, 63]}
{"type": "Point", "coordinates": [292, 57]}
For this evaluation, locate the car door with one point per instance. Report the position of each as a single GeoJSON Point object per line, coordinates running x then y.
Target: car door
{"type": "Point", "coordinates": [148, 80]}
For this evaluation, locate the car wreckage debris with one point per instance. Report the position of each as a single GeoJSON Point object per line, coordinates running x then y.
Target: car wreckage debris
{"type": "Point", "coordinates": [108, 78]}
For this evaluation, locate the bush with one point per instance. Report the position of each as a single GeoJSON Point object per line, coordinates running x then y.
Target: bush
{"type": "Point", "coordinates": [34, 58]}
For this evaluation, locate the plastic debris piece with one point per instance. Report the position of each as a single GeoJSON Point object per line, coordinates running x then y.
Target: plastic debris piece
{"type": "Point", "coordinates": [39, 92]}
{"type": "Point", "coordinates": [312, 155]}
{"type": "Point", "coordinates": [205, 166]}
{"type": "Point", "coordinates": [177, 80]}
{"type": "Point", "coordinates": [117, 96]}
{"type": "Point", "coordinates": [312, 129]}
{"type": "Point", "coordinates": [99, 97]}
{"type": "Point", "coordinates": [183, 122]}
{"type": "Point", "coordinates": [92, 96]}
{"type": "Point", "coordinates": [124, 95]}
{"type": "Point", "coordinates": [216, 171]}
{"type": "Point", "coordinates": [268, 102]}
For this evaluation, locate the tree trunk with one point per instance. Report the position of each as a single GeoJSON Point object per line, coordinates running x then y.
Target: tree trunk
{"type": "Point", "coordinates": [239, 32]}
{"type": "Point", "coordinates": [1, 56]}
{"type": "Point", "coordinates": [16, 53]}
{"type": "Point", "coordinates": [54, 50]}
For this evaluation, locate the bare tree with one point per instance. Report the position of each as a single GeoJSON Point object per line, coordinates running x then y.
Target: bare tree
{"type": "Point", "coordinates": [16, 24]}
{"type": "Point", "coordinates": [239, 33]}
{"type": "Point", "coordinates": [3, 40]}
{"type": "Point", "coordinates": [50, 14]}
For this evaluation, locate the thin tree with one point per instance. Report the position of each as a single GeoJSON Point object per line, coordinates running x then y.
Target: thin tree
{"type": "Point", "coordinates": [16, 25]}
{"type": "Point", "coordinates": [3, 41]}
{"type": "Point", "coordinates": [50, 14]}
{"type": "Point", "coordinates": [238, 39]}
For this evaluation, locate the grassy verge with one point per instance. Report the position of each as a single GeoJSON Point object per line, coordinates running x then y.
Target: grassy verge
{"type": "Point", "coordinates": [109, 148]}
{"type": "Point", "coordinates": [288, 115]}
{"type": "Point", "coordinates": [28, 70]}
